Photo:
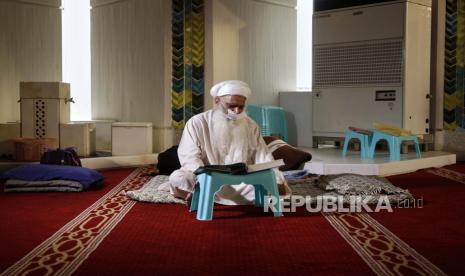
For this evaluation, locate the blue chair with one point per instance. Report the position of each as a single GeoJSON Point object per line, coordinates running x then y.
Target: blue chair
{"type": "Point", "coordinates": [394, 143]}
{"type": "Point", "coordinates": [365, 142]}
{"type": "Point", "coordinates": [209, 183]}
{"type": "Point", "coordinates": [275, 122]}
{"type": "Point", "coordinates": [255, 112]}
{"type": "Point", "coordinates": [270, 119]}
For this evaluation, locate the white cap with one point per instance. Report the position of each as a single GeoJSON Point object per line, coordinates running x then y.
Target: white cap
{"type": "Point", "coordinates": [231, 87]}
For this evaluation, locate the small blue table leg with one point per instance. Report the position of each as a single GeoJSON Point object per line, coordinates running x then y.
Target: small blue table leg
{"type": "Point", "coordinates": [277, 204]}
{"type": "Point", "coordinates": [195, 198]}
{"type": "Point", "coordinates": [206, 202]}
{"type": "Point", "coordinates": [259, 195]}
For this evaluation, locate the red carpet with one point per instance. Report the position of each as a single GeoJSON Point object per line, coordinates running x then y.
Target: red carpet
{"type": "Point", "coordinates": [169, 240]}
{"type": "Point", "coordinates": [437, 230]}
{"type": "Point", "coordinates": [27, 219]}
{"type": "Point", "coordinates": [120, 237]}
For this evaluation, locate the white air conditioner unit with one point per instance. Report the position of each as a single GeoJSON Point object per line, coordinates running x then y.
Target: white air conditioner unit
{"type": "Point", "coordinates": [371, 63]}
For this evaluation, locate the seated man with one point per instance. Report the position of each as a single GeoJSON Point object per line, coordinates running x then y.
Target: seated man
{"type": "Point", "coordinates": [221, 136]}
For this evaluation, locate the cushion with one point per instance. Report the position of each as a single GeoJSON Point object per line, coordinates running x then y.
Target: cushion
{"type": "Point", "coordinates": [42, 172]}
{"type": "Point", "coordinates": [293, 157]}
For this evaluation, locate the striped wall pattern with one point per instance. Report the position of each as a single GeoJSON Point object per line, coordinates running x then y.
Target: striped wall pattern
{"type": "Point", "coordinates": [454, 76]}
{"type": "Point", "coordinates": [188, 58]}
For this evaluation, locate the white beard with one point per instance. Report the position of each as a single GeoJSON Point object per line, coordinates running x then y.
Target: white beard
{"type": "Point", "coordinates": [230, 138]}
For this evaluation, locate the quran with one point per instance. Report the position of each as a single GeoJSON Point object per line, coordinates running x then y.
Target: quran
{"type": "Point", "coordinates": [240, 168]}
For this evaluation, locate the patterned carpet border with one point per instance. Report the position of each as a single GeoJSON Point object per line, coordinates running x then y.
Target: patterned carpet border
{"type": "Point", "coordinates": [64, 251]}
{"type": "Point", "coordinates": [383, 252]}
{"type": "Point", "coordinates": [449, 174]}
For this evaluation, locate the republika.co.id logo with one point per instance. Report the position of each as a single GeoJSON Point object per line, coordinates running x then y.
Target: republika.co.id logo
{"type": "Point", "coordinates": [328, 204]}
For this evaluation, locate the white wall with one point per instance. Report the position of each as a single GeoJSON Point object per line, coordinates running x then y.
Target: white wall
{"type": "Point", "coordinates": [30, 48]}
{"type": "Point", "coordinates": [127, 60]}
{"type": "Point", "coordinates": [130, 53]}
{"type": "Point", "coordinates": [254, 41]}
{"type": "Point", "coordinates": [131, 56]}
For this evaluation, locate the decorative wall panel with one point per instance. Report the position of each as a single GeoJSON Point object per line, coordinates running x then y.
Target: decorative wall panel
{"type": "Point", "coordinates": [454, 76]}
{"type": "Point", "coordinates": [188, 58]}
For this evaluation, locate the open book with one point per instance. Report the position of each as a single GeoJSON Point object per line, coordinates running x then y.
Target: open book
{"type": "Point", "coordinates": [361, 130]}
{"type": "Point", "coordinates": [240, 168]}
{"type": "Point", "coordinates": [265, 166]}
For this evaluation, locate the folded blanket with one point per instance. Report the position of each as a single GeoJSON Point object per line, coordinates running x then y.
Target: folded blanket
{"type": "Point", "coordinates": [296, 174]}
{"type": "Point", "coordinates": [345, 187]}
{"type": "Point", "coordinates": [41, 172]}
{"type": "Point", "coordinates": [354, 184]}
{"type": "Point", "coordinates": [16, 185]}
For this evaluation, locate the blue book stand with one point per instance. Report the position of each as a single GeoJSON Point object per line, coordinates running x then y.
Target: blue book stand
{"type": "Point", "coordinates": [209, 183]}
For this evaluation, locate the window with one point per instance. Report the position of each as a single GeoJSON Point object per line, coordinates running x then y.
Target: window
{"type": "Point", "coordinates": [304, 44]}
{"type": "Point", "coordinates": [76, 55]}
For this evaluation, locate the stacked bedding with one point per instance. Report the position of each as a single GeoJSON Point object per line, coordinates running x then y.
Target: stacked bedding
{"type": "Point", "coordinates": [46, 178]}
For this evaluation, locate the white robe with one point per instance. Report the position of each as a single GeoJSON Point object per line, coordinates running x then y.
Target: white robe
{"type": "Point", "coordinates": [197, 148]}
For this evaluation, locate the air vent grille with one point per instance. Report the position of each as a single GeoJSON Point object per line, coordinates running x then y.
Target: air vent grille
{"type": "Point", "coordinates": [370, 63]}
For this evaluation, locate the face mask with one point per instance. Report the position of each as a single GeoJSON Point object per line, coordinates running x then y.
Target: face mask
{"type": "Point", "coordinates": [233, 116]}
